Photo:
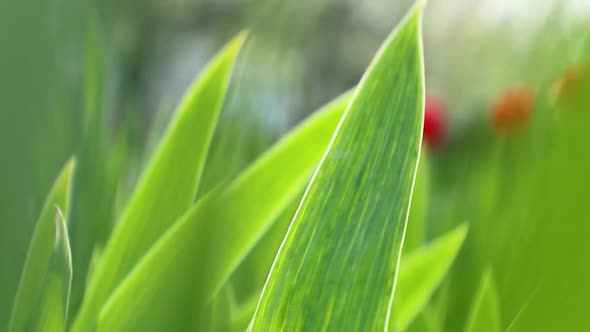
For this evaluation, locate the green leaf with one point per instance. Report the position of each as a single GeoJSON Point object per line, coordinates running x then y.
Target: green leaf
{"type": "Point", "coordinates": [169, 184]}
{"type": "Point", "coordinates": [336, 268]}
{"type": "Point", "coordinates": [485, 310]}
{"type": "Point", "coordinates": [212, 239]}
{"type": "Point", "coordinates": [41, 251]}
{"type": "Point", "coordinates": [53, 303]}
{"type": "Point", "coordinates": [421, 272]}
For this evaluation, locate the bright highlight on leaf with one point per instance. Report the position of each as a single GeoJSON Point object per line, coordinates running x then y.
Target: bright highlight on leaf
{"type": "Point", "coordinates": [169, 184]}
{"type": "Point", "coordinates": [43, 268]}
{"type": "Point", "coordinates": [337, 266]}
{"type": "Point", "coordinates": [53, 302]}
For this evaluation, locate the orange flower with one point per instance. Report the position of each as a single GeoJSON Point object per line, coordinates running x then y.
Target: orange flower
{"type": "Point", "coordinates": [513, 108]}
{"type": "Point", "coordinates": [571, 87]}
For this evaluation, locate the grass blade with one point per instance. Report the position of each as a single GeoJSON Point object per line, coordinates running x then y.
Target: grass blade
{"type": "Point", "coordinates": [421, 272]}
{"type": "Point", "coordinates": [337, 266]}
{"type": "Point", "coordinates": [169, 185]}
{"type": "Point", "coordinates": [485, 310]}
{"type": "Point", "coordinates": [54, 301]}
{"type": "Point", "coordinates": [40, 251]}
{"type": "Point", "coordinates": [155, 294]}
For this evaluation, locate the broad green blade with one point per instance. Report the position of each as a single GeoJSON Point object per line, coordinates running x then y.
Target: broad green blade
{"type": "Point", "coordinates": [485, 310]}
{"type": "Point", "coordinates": [416, 231]}
{"type": "Point", "coordinates": [337, 267]}
{"type": "Point", "coordinates": [52, 308]}
{"type": "Point", "coordinates": [420, 274]}
{"type": "Point", "coordinates": [187, 267]}
{"type": "Point", "coordinates": [169, 184]}
{"type": "Point", "coordinates": [40, 252]}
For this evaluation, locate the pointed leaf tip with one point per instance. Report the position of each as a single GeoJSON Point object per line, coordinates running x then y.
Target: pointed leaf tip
{"type": "Point", "coordinates": [371, 161]}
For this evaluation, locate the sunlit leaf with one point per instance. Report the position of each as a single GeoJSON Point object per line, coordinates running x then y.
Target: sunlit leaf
{"type": "Point", "coordinates": [337, 266]}
{"type": "Point", "coordinates": [41, 251]}
{"type": "Point", "coordinates": [169, 184]}
{"type": "Point", "coordinates": [210, 241]}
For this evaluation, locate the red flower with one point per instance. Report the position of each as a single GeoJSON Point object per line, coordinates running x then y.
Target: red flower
{"type": "Point", "coordinates": [512, 109]}
{"type": "Point", "coordinates": [435, 126]}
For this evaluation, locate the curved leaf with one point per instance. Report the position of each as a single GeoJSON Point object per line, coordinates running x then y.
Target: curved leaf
{"type": "Point", "coordinates": [336, 268]}
{"type": "Point", "coordinates": [40, 252]}
{"type": "Point", "coordinates": [168, 186]}
{"type": "Point", "coordinates": [224, 228]}
{"type": "Point", "coordinates": [53, 304]}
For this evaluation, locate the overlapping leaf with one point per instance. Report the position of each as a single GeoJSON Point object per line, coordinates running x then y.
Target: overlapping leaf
{"type": "Point", "coordinates": [53, 303]}
{"type": "Point", "coordinates": [337, 266]}
{"type": "Point", "coordinates": [206, 246]}
{"type": "Point", "coordinates": [41, 251]}
{"type": "Point", "coordinates": [169, 185]}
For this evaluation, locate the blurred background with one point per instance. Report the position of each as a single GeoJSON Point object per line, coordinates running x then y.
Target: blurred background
{"type": "Point", "coordinates": [99, 80]}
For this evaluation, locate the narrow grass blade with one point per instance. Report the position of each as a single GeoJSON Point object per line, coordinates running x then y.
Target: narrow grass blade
{"type": "Point", "coordinates": [40, 252]}
{"type": "Point", "coordinates": [224, 227]}
{"type": "Point", "coordinates": [485, 310]}
{"type": "Point", "coordinates": [52, 308]}
{"type": "Point", "coordinates": [421, 272]}
{"type": "Point", "coordinates": [337, 266]}
{"type": "Point", "coordinates": [168, 186]}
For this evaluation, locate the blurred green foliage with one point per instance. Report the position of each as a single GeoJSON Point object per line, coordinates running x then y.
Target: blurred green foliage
{"type": "Point", "coordinates": [523, 195]}
{"type": "Point", "coordinates": [38, 115]}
